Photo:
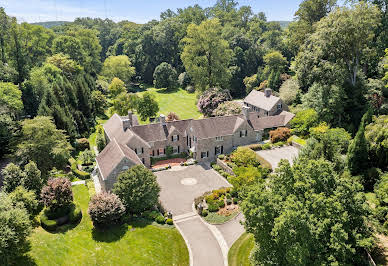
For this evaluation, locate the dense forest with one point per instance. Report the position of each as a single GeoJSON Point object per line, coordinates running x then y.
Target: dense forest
{"type": "Point", "coordinates": [330, 65]}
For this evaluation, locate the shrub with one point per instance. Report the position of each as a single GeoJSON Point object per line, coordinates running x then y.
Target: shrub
{"type": "Point", "coordinates": [81, 174]}
{"type": "Point", "coordinates": [279, 144]}
{"type": "Point", "coordinates": [184, 80]}
{"type": "Point", "coordinates": [151, 215]}
{"type": "Point", "coordinates": [57, 193]}
{"type": "Point", "coordinates": [210, 100]}
{"type": "Point", "coordinates": [87, 157]}
{"type": "Point", "coordinates": [138, 189]}
{"type": "Point", "coordinates": [255, 147]}
{"type": "Point", "coordinates": [82, 144]}
{"type": "Point", "coordinates": [228, 196]}
{"type": "Point", "coordinates": [221, 156]}
{"type": "Point", "coordinates": [169, 221]}
{"type": "Point", "coordinates": [235, 200]}
{"type": "Point", "coordinates": [172, 117]}
{"type": "Point", "coordinates": [165, 76]}
{"type": "Point", "coordinates": [221, 203]}
{"type": "Point", "coordinates": [105, 209]}
{"type": "Point", "coordinates": [46, 223]}
{"type": "Point", "coordinates": [100, 139]}
{"type": "Point", "coordinates": [198, 200]}
{"type": "Point", "coordinates": [27, 198]}
{"type": "Point", "coordinates": [213, 208]}
{"type": "Point", "coordinates": [53, 214]}
{"type": "Point", "coordinates": [228, 201]}
{"type": "Point", "coordinates": [234, 193]}
{"type": "Point", "coordinates": [217, 167]}
{"type": "Point", "coordinates": [280, 134]}
{"type": "Point", "coordinates": [227, 108]}
{"type": "Point", "coordinates": [303, 121]}
{"type": "Point", "coordinates": [160, 219]}
{"type": "Point", "coordinates": [266, 146]}
{"type": "Point", "coordinates": [205, 213]}
{"type": "Point", "coordinates": [190, 89]}
{"type": "Point", "coordinates": [13, 177]}
{"type": "Point", "coordinates": [75, 214]}
{"type": "Point", "coordinates": [244, 156]}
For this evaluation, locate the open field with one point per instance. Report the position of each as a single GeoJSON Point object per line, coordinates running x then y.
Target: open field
{"type": "Point", "coordinates": [137, 243]}
{"type": "Point", "coordinates": [179, 101]}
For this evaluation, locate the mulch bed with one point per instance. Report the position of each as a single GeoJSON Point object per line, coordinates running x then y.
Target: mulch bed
{"type": "Point", "coordinates": [171, 162]}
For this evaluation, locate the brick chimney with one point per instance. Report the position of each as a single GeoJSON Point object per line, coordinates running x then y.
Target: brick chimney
{"type": "Point", "coordinates": [245, 111]}
{"type": "Point", "coordinates": [162, 119]}
{"type": "Point", "coordinates": [267, 92]}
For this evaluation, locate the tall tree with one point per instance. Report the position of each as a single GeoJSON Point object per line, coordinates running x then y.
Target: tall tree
{"type": "Point", "coordinates": [297, 217]}
{"type": "Point", "coordinates": [119, 67]}
{"type": "Point", "coordinates": [206, 55]}
{"type": "Point", "coordinates": [147, 106]}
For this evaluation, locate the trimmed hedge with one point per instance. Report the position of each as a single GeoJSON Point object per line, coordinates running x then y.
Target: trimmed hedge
{"type": "Point", "coordinates": [205, 213]}
{"type": "Point", "coordinates": [213, 207]}
{"type": "Point", "coordinates": [80, 174]}
{"type": "Point", "coordinates": [75, 214]}
{"type": "Point", "coordinates": [160, 219]}
{"type": "Point", "coordinates": [46, 223]}
{"type": "Point", "coordinates": [169, 221]}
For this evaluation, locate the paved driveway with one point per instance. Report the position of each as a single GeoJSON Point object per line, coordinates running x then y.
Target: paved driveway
{"type": "Point", "coordinates": [180, 186]}
{"type": "Point", "coordinates": [274, 156]}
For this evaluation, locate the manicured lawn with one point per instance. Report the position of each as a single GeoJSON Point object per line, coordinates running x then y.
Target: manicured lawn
{"type": "Point", "coordinates": [240, 251]}
{"type": "Point", "coordinates": [179, 101]}
{"type": "Point", "coordinates": [215, 218]}
{"type": "Point", "coordinates": [136, 244]}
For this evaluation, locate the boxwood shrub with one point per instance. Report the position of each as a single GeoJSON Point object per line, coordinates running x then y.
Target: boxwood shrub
{"type": "Point", "coordinates": [160, 219]}
{"type": "Point", "coordinates": [46, 223]}
{"type": "Point", "coordinates": [221, 204]}
{"type": "Point", "coordinates": [169, 221]}
{"type": "Point", "coordinates": [205, 213]}
{"type": "Point", "coordinates": [75, 214]}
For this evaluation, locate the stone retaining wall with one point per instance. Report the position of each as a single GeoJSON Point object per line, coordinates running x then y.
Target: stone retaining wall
{"type": "Point", "coordinates": [225, 167]}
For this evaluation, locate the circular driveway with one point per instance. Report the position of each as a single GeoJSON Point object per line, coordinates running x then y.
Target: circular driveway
{"type": "Point", "coordinates": [178, 189]}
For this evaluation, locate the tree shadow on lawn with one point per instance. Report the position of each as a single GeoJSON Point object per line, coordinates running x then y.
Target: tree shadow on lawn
{"type": "Point", "coordinates": [167, 91]}
{"type": "Point", "coordinates": [115, 233]}
{"type": "Point", "coordinates": [25, 260]}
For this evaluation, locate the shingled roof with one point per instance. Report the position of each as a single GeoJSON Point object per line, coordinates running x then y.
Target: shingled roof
{"type": "Point", "coordinates": [112, 155]}
{"type": "Point", "coordinates": [258, 99]}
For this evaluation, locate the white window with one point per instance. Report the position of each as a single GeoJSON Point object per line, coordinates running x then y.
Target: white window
{"type": "Point", "coordinates": [174, 137]}
{"type": "Point", "coordinates": [195, 139]}
{"type": "Point", "coordinates": [258, 136]}
{"type": "Point", "coordinates": [243, 133]}
{"type": "Point", "coordinates": [204, 154]}
{"type": "Point", "coordinates": [161, 151]}
{"type": "Point", "coordinates": [219, 138]}
{"type": "Point", "coordinates": [175, 149]}
{"type": "Point", "coordinates": [280, 106]}
{"type": "Point", "coordinates": [139, 150]}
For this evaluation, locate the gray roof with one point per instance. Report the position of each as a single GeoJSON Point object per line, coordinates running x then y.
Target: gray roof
{"type": "Point", "coordinates": [112, 155]}
{"type": "Point", "coordinates": [258, 99]}
{"type": "Point", "coordinates": [114, 126]}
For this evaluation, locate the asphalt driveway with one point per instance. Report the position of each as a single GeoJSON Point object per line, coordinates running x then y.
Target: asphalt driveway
{"type": "Point", "coordinates": [274, 156]}
{"type": "Point", "coordinates": [181, 185]}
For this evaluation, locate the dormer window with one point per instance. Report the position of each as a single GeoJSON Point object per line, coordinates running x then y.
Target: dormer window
{"type": "Point", "coordinates": [220, 138]}
{"type": "Point", "coordinates": [139, 151]}
{"type": "Point", "coordinates": [174, 137]}
{"type": "Point", "coordinates": [243, 133]}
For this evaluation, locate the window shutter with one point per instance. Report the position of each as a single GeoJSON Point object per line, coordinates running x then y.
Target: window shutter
{"type": "Point", "coordinates": [207, 154]}
{"type": "Point", "coordinates": [135, 150]}
{"type": "Point", "coordinates": [157, 151]}
{"type": "Point", "coordinates": [222, 149]}
{"type": "Point", "coordinates": [215, 150]}
{"type": "Point", "coordinates": [240, 134]}
{"type": "Point", "coordinates": [153, 152]}
{"type": "Point", "coordinates": [172, 138]}
{"type": "Point", "coordinates": [142, 150]}
{"type": "Point", "coordinates": [164, 151]}
{"type": "Point", "coordinates": [178, 149]}
{"type": "Point", "coordinates": [178, 137]}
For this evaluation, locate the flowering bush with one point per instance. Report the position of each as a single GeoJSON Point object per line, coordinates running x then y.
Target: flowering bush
{"type": "Point", "coordinates": [227, 108]}
{"type": "Point", "coordinates": [57, 193]}
{"type": "Point", "coordinates": [210, 100]}
{"type": "Point", "coordinates": [105, 209]}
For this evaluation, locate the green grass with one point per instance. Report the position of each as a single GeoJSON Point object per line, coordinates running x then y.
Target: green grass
{"type": "Point", "coordinates": [136, 244]}
{"type": "Point", "coordinates": [215, 218]}
{"type": "Point", "coordinates": [240, 251]}
{"type": "Point", "coordinates": [178, 101]}
{"type": "Point", "coordinates": [298, 140]}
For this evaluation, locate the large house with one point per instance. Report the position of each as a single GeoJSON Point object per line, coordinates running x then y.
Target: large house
{"type": "Point", "coordinates": [130, 144]}
{"type": "Point", "coordinates": [264, 103]}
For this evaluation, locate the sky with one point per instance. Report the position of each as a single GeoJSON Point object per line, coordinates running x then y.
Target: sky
{"type": "Point", "coordinates": [139, 11]}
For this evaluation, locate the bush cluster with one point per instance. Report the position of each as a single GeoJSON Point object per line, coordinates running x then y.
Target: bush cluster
{"type": "Point", "coordinates": [280, 134]}
{"type": "Point", "coordinates": [57, 194]}
{"type": "Point", "coordinates": [210, 100]}
{"type": "Point", "coordinates": [105, 209]}
{"type": "Point", "coordinates": [82, 144]}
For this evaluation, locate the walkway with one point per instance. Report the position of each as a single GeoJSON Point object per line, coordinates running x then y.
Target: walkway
{"type": "Point", "coordinates": [274, 156]}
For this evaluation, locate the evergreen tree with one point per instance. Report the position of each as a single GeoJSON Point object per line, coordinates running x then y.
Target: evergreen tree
{"type": "Point", "coordinates": [357, 157]}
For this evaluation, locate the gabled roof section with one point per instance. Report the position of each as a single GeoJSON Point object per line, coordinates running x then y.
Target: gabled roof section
{"type": "Point", "coordinates": [132, 139]}
{"type": "Point", "coordinates": [112, 155]}
{"type": "Point", "coordinates": [215, 126]}
{"type": "Point", "coordinates": [258, 99]}
{"type": "Point", "coordinates": [260, 123]}
{"type": "Point", "coordinates": [113, 127]}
